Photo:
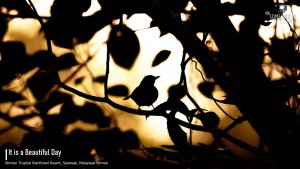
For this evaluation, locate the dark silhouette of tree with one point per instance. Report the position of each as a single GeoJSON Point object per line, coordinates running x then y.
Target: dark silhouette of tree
{"type": "Point", "coordinates": [236, 68]}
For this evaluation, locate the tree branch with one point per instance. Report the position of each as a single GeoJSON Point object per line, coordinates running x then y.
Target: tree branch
{"type": "Point", "coordinates": [190, 43]}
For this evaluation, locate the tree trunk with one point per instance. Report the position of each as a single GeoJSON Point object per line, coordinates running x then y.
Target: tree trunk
{"type": "Point", "coordinates": [247, 83]}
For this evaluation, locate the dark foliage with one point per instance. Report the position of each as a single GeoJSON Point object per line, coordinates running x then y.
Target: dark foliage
{"type": "Point", "coordinates": [100, 79]}
{"type": "Point", "coordinates": [118, 90]}
{"type": "Point", "coordinates": [13, 59]}
{"type": "Point", "coordinates": [283, 53]}
{"type": "Point", "coordinates": [209, 119]}
{"type": "Point", "coordinates": [177, 92]}
{"type": "Point", "coordinates": [3, 25]}
{"type": "Point", "coordinates": [206, 88]}
{"type": "Point", "coordinates": [160, 57]}
{"type": "Point", "coordinates": [9, 96]}
{"type": "Point", "coordinates": [236, 68]}
{"type": "Point", "coordinates": [123, 45]}
{"type": "Point", "coordinates": [34, 83]}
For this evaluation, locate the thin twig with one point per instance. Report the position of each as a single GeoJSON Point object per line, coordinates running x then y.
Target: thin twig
{"type": "Point", "coordinates": [212, 97]}
{"type": "Point", "coordinates": [228, 128]}
{"type": "Point", "coordinates": [139, 112]}
{"type": "Point", "coordinates": [37, 16]}
{"type": "Point", "coordinates": [106, 73]}
{"type": "Point", "coordinates": [18, 123]}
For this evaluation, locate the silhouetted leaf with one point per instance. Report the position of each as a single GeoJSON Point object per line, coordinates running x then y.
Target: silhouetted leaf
{"type": "Point", "coordinates": [283, 52]}
{"type": "Point", "coordinates": [13, 60]}
{"type": "Point", "coordinates": [79, 80]}
{"type": "Point", "coordinates": [13, 53]}
{"type": "Point", "coordinates": [56, 123]}
{"type": "Point", "coordinates": [25, 116]}
{"type": "Point", "coordinates": [40, 84]}
{"type": "Point", "coordinates": [193, 22]}
{"type": "Point", "coordinates": [43, 59]}
{"type": "Point", "coordinates": [104, 122]}
{"type": "Point", "coordinates": [163, 31]}
{"type": "Point", "coordinates": [209, 119]}
{"type": "Point", "coordinates": [46, 60]}
{"type": "Point", "coordinates": [10, 96]}
{"type": "Point", "coordinates": [175, 5]}
{"type": "Point", "coordinates": [64, 24]}
{"type": "Point", "coordinates": [100, 79]}
{"type": "Point", "coordinates": [65, 61]}
{"type": "Point", "coordinates": [62, 33]}
{"type": "Point", "coordinates": [177, 92]}
{"type": "Point", "coordinates": [177, 135]}
{"type": "Point", "coordinates": [3, 25]}
{"type": "Point", "coordinates": [130, 140]}
{"type": "Point", "coordinates": [89, 25]}
{"type": "Point", "coordinates": [70, 112]}
{"type": "Point", "coordinates": [174, 106]}
{"type": "Point", "coordinates": [206, 88]}
{"type": "Point", "coordinates": [54, 99]}
{"type": "Point", "coordinates": [6, 74]}
{"type": "Point", "coordinates": [92, 113]}
{"type": "Point", "coordinates": [59, 7]}
{"type": "Point", "coordinates": [118, 90]}
{"type": "Point", "coordinates": [289, 84]}
{"type": "Point", "coordinates": [285, 88]}
{"type": "Point", "coordinates": [106, 142]}
{"type": "Point", "coordinates": [92, 110]}
{"type": "Point", "coordinates": [123, 45]}
{"type": "Point", "coordinates": [160, 57]}
{"type": "Point", "coordinates": [179, 106]}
